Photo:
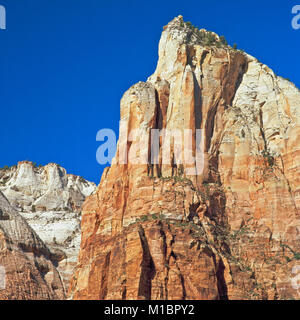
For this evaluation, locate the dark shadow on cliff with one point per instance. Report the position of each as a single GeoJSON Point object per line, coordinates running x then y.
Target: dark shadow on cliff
{"type": "Point", "coordinates": [147, 269]}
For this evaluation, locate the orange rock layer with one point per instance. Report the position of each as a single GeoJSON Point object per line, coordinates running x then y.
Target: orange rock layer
{"type": "Point", "coordinates": [232, 230]}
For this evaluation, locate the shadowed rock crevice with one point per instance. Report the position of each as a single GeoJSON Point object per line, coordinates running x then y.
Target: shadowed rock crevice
{"type": "Point", "coordinates": [222, 287]}
{"type": "Point", "coordinates": [147, 268]}
{"type": "Point", "coordinates": [104, 279]}
{"type": "Point", "coordinates": [242, 70]}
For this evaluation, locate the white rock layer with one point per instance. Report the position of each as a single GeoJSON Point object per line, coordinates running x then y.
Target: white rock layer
{"type": "Point", "coordinates": [50, 200]}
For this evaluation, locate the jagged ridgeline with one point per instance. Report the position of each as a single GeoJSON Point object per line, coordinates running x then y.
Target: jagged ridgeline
{"type": "Point", "coordinates": [203, 37]}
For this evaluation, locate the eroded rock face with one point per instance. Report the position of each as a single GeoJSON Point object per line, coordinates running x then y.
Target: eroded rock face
{"type": "Point", "coordinates": [232, 230]}
{"type": "Point", "coordinates": [30, 272]}
{"type": "Point", "coordinates": [50, 200]}
{"type": "Point", "coordinates": [49, 188]}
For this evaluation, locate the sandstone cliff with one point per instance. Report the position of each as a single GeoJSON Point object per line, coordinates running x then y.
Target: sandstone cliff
{"type": "Point", "coordinates": [25, 261]}
{"type": "Point", "coordinates": [50, 200]}
{"type": "Point", "coordinates": [232, 230]}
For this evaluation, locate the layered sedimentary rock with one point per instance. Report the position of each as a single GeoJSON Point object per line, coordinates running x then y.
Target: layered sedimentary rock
{"type": "Point", "coordinates": [45, 188]}
{"type": "Point", "coordinates": [222, 226]}
{"type": "Point", "coordinates": [27, 267]}
{"type": "Point", "coordinates": [50, 200]}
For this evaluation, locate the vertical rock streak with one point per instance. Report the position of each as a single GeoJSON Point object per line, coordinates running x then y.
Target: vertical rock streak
{"type": "Point", "coordinates": [230, 232]}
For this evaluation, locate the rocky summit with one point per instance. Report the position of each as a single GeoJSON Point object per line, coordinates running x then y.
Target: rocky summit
{"type": "Point", "coordinates": [50, 201]}
{"type": "Point", "coordinates": [232, 230]}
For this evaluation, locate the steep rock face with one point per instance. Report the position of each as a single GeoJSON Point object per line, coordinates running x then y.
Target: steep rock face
{"type": "Point", "coordinates": [230, 231]}
{"type": "Point", "coordinates": [49, 188]}
{"type": "Point", "coordinates": [50, 200]}
{"type": "Point", "coordinates": [25, 260]}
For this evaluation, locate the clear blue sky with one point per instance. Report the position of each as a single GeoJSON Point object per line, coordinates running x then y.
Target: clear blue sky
{"type": "Point", "coordinates": [65, 64]}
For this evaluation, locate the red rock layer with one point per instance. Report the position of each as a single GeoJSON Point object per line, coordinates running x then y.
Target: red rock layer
{"type": "Point", "coordinates": [229, 232]}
